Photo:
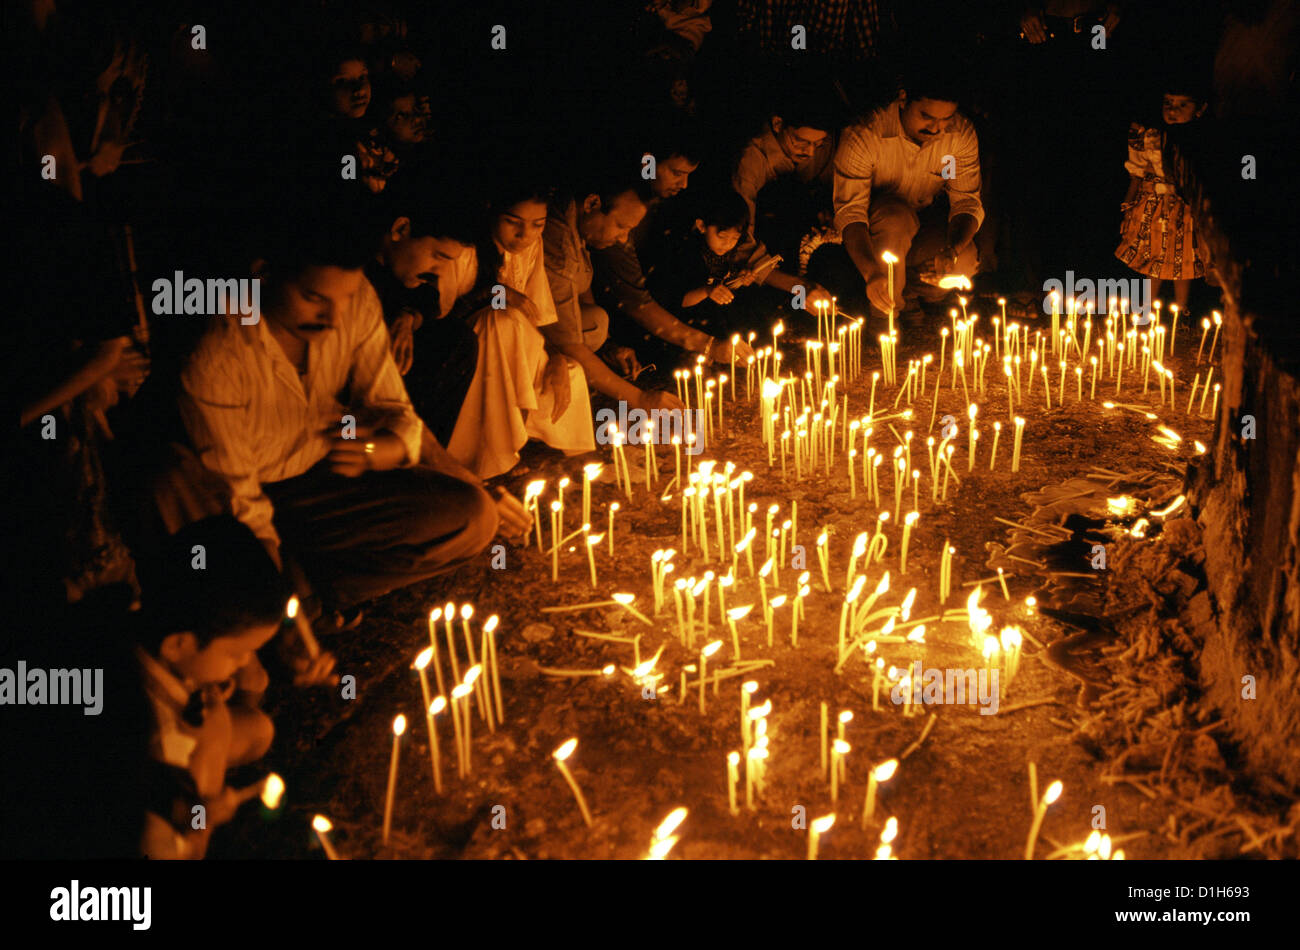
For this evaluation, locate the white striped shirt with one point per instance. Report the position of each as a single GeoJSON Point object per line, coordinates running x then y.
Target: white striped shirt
{"type": "Point", "coordinates": [877, 156]}
{"type": "Point", "coordinates": [252, 419]}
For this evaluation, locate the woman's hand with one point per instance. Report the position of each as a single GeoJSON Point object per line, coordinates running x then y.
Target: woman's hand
{"type": "Point", "coordinates": [721, 294]}
{"type": "Point", "coordinates": [555, 380]}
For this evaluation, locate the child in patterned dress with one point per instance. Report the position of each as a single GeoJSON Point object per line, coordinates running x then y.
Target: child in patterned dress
{"type": "Point", "coordinates": [1158, 236]}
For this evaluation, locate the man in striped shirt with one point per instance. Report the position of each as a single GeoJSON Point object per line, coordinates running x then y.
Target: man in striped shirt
{"type": "Point", "coordinates": [889, 171]}
{"type": "Point", "coordinates": [304, 416]}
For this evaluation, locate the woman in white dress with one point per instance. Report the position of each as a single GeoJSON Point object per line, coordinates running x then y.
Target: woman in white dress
{"type": "Point", "coordinates": [520, 389]}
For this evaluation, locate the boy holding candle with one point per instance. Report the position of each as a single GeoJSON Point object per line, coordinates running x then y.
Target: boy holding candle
{"type": "Point", "coordinates": [706, 270]}
{"type": "Point", "coordinates": [197, 644]}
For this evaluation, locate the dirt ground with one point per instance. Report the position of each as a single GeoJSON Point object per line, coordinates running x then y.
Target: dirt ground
{"type": "Point", "coordinates": [964, 793]}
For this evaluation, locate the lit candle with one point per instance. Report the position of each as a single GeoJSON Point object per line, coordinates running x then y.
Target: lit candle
{"type": "Point", "coordinates": [733, 773]}
{"type": "Point", "coordinates": [705, 653]}
{"type": "Point", "coordinates": [839, 749]}
{"type": "Point", "coordinates": [818, 828]}
{"type": "Point", "coordinates": [293, 610]}
{"type": "Point", "coordinates": [1015, 450]}
{"type": "Point", "coordinates": [1052, 794]}
{"type": "Point", "coordinates": [591, 541]}
{"type": "Point", "coordinates": [399, 727]}
{"type": "Point", "coordinates": [613, 507]}
{"type": "Point", "coordinates": [881, 773]}
{"type": "Point", "coordinates": [322, 826]}
{"type": "Point", "coordinates": [489, 632]}
{"type": "Point", "coordinates": [560, 755]}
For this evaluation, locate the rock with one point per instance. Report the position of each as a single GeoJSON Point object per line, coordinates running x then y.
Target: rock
{"type": "Point", "coordinates": [537, 632]}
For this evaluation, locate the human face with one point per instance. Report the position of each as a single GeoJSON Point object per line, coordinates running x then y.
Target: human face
{"type": "Point", "coordinates": [406, 123]}
{"type": "Point", "coordinates": [350, 88]}
{"type": "Point", "coordinates": [220, 659]}
{"type": "Point", "coordinates": [723, 242]}
{"type": "Point", "coordinates": [421, 260]}
{"type": "Point", "coordinates": [313, 301]}
{"type": "Point", "coordinates": [925, 119]}
{"type": "Point", "coordinates": [1179, 110]}
{"type": "Point", "coordinates": [672, 176]}
{"type": "Point", "coordinates": [520, 226]}
{"type": "Point", "coordinates": [609, 226]}
{"type": "Point", "coordinates": [799, 144]}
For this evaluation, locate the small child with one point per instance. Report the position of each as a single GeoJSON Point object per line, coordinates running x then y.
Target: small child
{"type": "Point", "coordinates": [205, 621]}
{"type": "Point", "coordinates": [1158, 236]}
{"type": "Point", "coordinates": [703, 269]}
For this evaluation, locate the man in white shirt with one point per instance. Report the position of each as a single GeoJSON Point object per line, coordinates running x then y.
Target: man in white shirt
{"type": "Point", "coordinates": [889, 171]}
{"type": "Point", "coordinates": [303, 414]}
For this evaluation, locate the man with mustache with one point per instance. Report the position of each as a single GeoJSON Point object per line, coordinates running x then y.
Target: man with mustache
{"type": "Point", "coordinates": [304, 416]}
{"type": "Point", "coordinates": [908, 181]}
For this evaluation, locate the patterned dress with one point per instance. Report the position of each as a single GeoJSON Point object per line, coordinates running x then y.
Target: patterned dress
{"type": "Point", "coordinates": [1158, 236]}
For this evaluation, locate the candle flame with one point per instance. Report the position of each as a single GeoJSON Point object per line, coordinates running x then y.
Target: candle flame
{"type": "Point", "coordinates": [461, 691]}
{"type": "Point", "coordinates": [823, 824]}
{"type": "Point", "coordinates": [438, 705]}
{"type": "Point", "coordinates": [777, 602]}
{"type": "Point", "coordinates": [758, 712]}
{"type": "Point", "coordinates": [624, 599]}
{"type": "Point", "coordinates": [291, 608]}
{"type": "Point", "coordinates": [322, 824]}
{"type": "Point", "coordinates": [272, 789]}
{"type": "Point", "coordinates": [566, 750]}
{"type": "Point", "coordinates": [891, 830]}
{"type": "Point", "coordinates": [399, 725]}
{"type": "Point", "coordinates": [1053, 792]}
{"type": "Point", "coordinates": [491, 625]}
{"type": "Point", "coordinates": [841, 747]}
{"type": "Point", "coordinates": [733, 758]}
{"type": "Point", "coordinates": [885, 770]}
{"type": "Point", "coordinates": [889, 258]}
{"type": "Point", "coordinates": [435, 615]}
{"type": "Point", "coordinates": [660, 847]}
{"type": "Point", "coordinates": [712, 648]}
{"type": "Point", "coordinates": [473, 674]}
{"type": "Point", "coordinates": [422, 661]}
{"type": "Point", "coordinates": [846, 716]}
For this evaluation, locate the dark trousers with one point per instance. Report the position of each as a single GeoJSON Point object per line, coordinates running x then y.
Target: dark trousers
{"type": "Point", "coordinates": [358, 538]}
{"type": "Point", "coordinates": [446, 354]}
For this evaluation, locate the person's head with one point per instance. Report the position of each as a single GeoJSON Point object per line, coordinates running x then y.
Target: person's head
{"type": "Point", "coordinates": [310, 260]}
{"type": "Point", "coordinates": [803, 124]}
{"type": "Point", "coordinates": [928, 103]}
{"type": "Point", "coordinates": [722, 220]}
{"type": "Point", "coordinates": [211, 600]}
{"type": "Point", "coordinates": [404, 114]}
{"type": "Point", "coordinates": [430, 229]}
{"type": "Point", "coordinates": [1181, 104]}
{"type": "Point", "coordinates": [349, 85]}
{"type": "Point", "coordinates": [677, 154]}
{"type": "Point", "coordinates": [607, 216]}
{"type": "Point", "coordinates": [517, 215]}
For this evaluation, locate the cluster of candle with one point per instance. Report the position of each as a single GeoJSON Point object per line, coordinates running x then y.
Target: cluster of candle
{"type": "Point", "coordinates": [806, 426]}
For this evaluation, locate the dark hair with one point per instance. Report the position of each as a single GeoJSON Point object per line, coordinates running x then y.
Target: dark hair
{"type": "Point", "coordinates": [237, 587]}
{"type": "Point", "coordinates": [808, 108]}
{"type": "Point", "coordinates": [607, 188]}
{"type": "Point", "coordinates": [507, 191]}
{"type": "Point", "coordinates": [724, 209]}
{"type": "Point", "coordinates": [678, 136]}
{"type": "Point", "coordinates": [435, 208]}
{"type": "Point", "coordinates": [332, 225]}
{"type": "Point", "coordinates": [931, 79]}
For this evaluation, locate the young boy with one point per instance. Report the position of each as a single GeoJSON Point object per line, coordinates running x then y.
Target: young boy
{"type": "Point", "coordinates": [213, 600]}
{"type": "Point", "coordinates": [707, 266]}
